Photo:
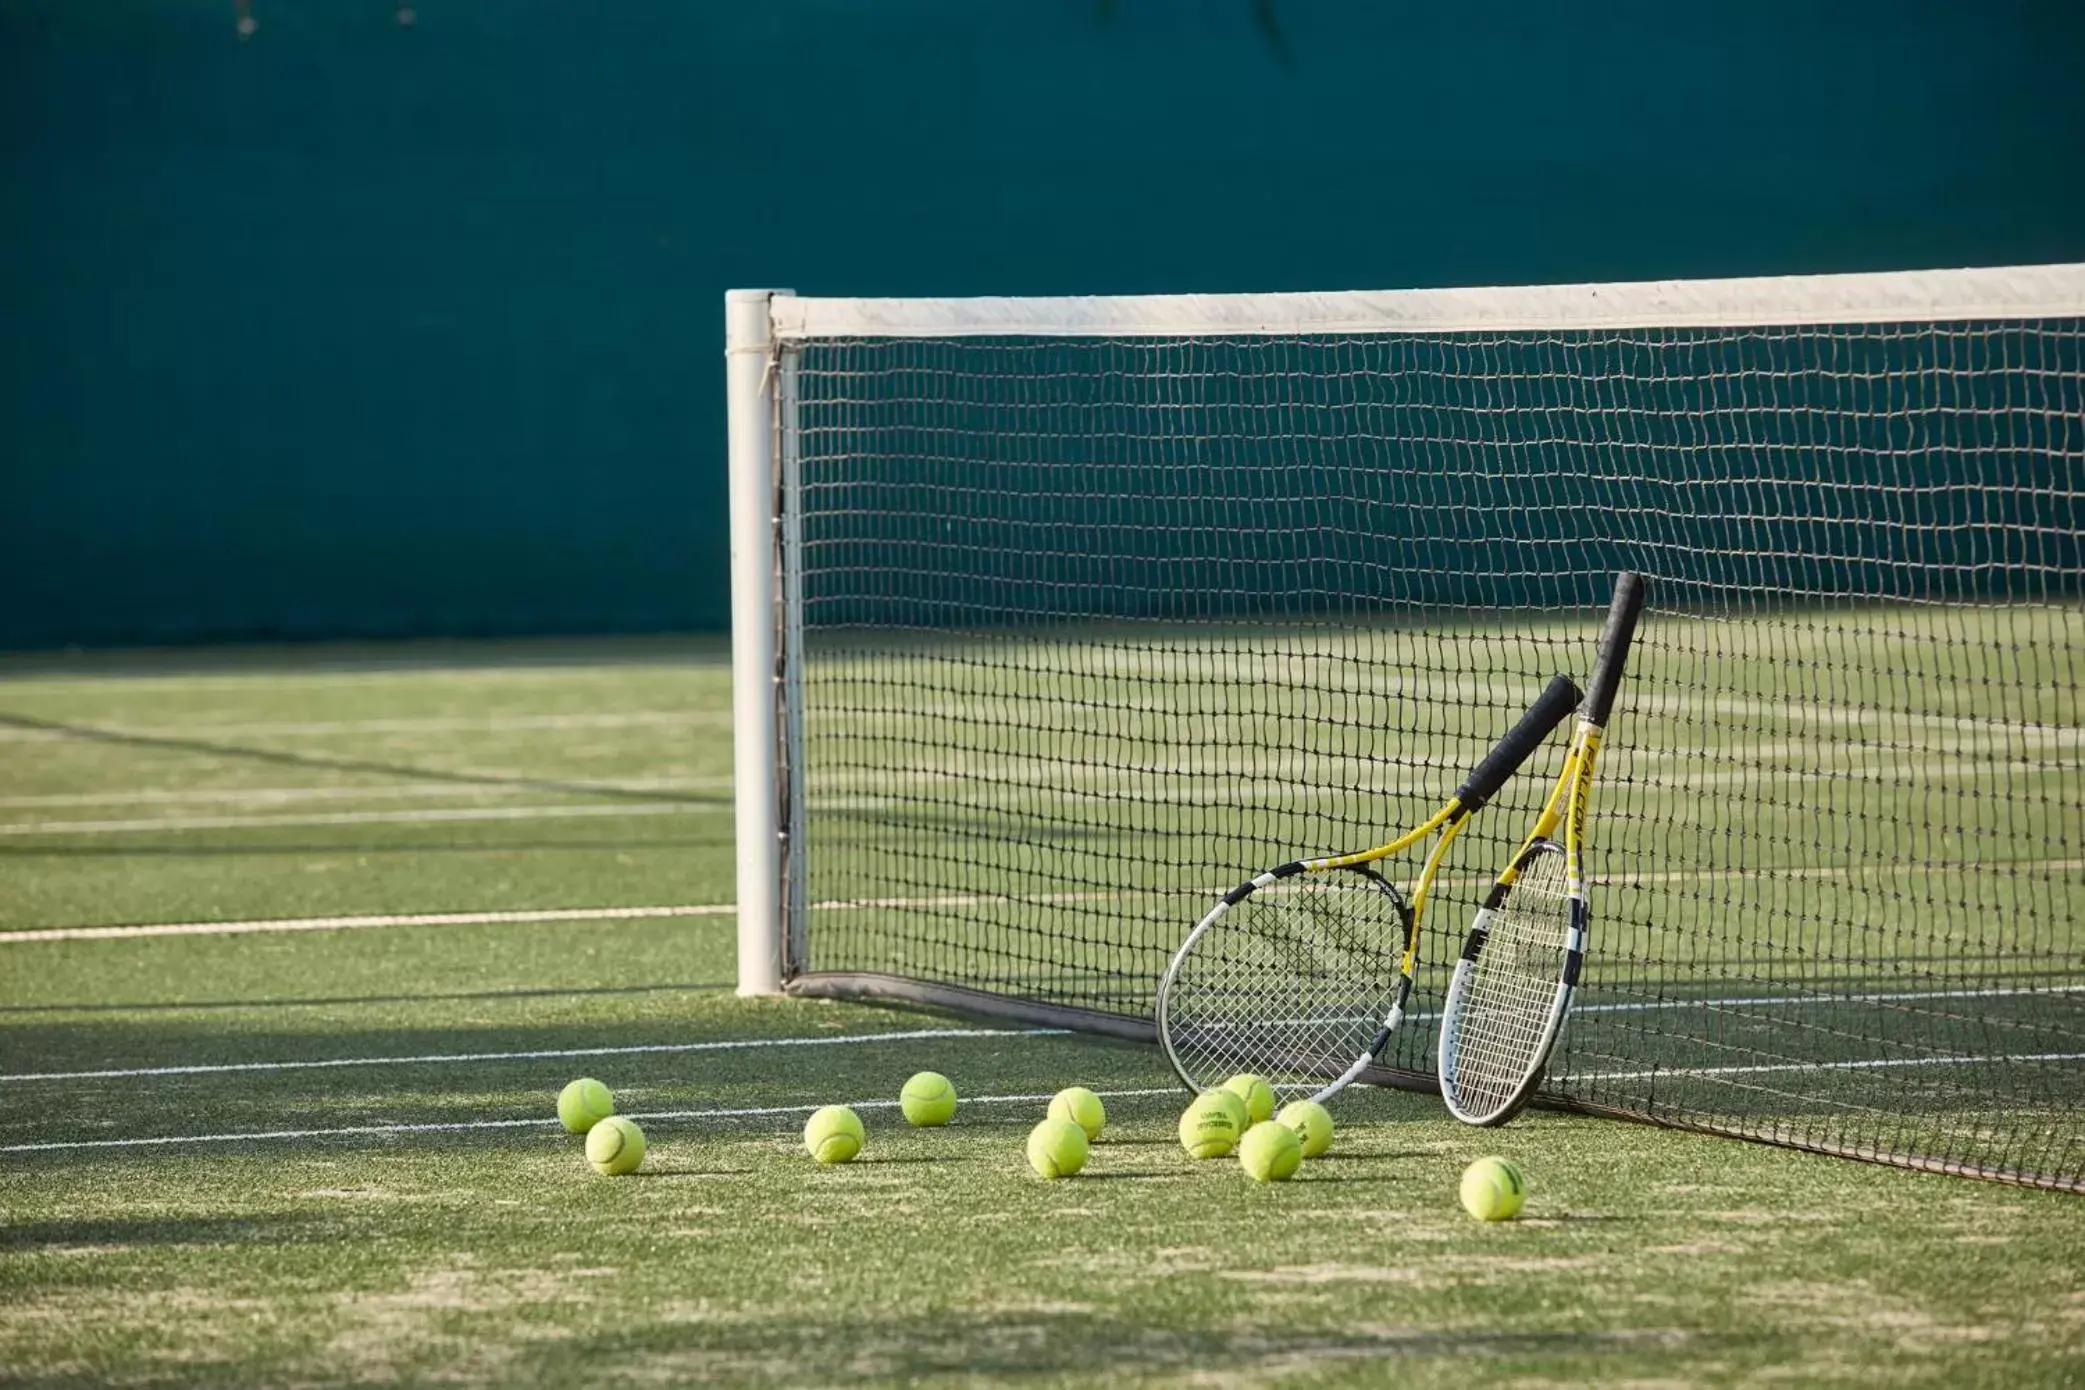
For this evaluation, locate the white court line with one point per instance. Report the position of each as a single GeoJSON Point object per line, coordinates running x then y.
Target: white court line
{"type": "Point", "coordinates": [496, 723]}
{"type": "Point", "coordinates": [733, 1045]}
{"type": "Point", "coordinates": [1466, 880]}
{"type": "Point", "coordinates": [420, 816]}
{"type": "Point", "coordinates": [1771, 873]}
{"type": "Point", "coordinates": [1865, 715]}
{"type": "Point", "coordinates": [555, 914]}
{"type": "Point", "coordinates": [1735, 1001]}
{"type": "Point", "coordinates": [899, 790]}
{"type": "Point", "coordinates": [1301, 777]}
{"type": "Point", "coordinates": [604, 914]}
{"type": "Point", "coordinates": [401, 791]}
{"type": "Point", "coordinates": [1864, 1064]}
{"type": "Point", "coordinates": [988, 796]}
{"type": "Point", "coordinates": [471, 919]}
{"type": "Point", "coordinates": [1291, 775]}
{"type": "Point", "coordinates": [454, 1126]}
{"type": "Point", "coordinates": [1757, 1001]}
{"type": "Point", "coordinates": [413, 919]}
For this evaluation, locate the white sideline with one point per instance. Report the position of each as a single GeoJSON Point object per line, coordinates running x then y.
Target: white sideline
{"type": "Point", "coordinates": [418, 816]}
{"type": "Point", "coordinates": [1742, 1001]}
{"type": "Point", "coordinates": [389, 791]}
{"type": "Point", "coordinates": [750, 1044]}
{"type": "Point", "coordinates": [574, 914]}
{"type": "Point", "coordinates": [496, 723]}
{"type": "Point", "coordinates": [1739, 1001]}
{"type": "Point", "coordinates": [349, 1131]}
{"type": "Point", "coordinates": [1293, 768]}
{"type": "Point", "coordinates": [409, 919]}
{"type": "Point", "coordinates": [731, 1045]}
{"type": "Point", "coordinates": [1862, 1064]}
{"type": "Point", "coordinates": [608, 914]}
{"type": "Point", "coordinates": [891, 791]}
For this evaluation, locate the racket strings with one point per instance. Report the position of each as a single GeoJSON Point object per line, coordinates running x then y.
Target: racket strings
{"type": "Point", "coordinates": [1513, 989]}
{"type": "Point", "coordinates": [1292, 983]}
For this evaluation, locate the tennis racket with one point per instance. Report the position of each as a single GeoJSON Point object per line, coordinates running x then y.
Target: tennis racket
{"type": "Point", "coordinates": [1520, 962]}
{"type": "Point", "coordinates": [1301, 974]}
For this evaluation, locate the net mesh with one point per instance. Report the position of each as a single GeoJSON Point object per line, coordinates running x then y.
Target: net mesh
{"type": "Point", "coordinates": [1091, 628]}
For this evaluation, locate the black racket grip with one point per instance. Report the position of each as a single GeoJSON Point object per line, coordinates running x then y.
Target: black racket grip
{"type": "Point", "coordinates": [1614, 646]}
{"type": "Point", "coordinates": [1556, 701]}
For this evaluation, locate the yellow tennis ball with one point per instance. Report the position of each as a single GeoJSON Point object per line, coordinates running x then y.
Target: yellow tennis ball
{"type": "Point", "coordinates": [583, 1104]}
{"type": "Point", "coordinates": [1208, 1129]}
{"type": "Point", "coordinates": [928, 1099]}
{"type": "Point", "coordinates": [1493, 1189]}
{"type": "Point", "coordinates": [1082, 1108]}
{"type": "Point", "coordinates": [833, 1134]}
{"type": "Point", "coordinates": [1056, 1148]}
{"type": "Point", "coordinates": [1232, 1104]}
{"type": "Point", "coordinates": [615, 1146]}
{"type": "Point", "coordinates": [1256, 1093]}
{"type": "Point", "coordinates": [1270, 1152]}
{"type": "Point", "coordinates": [1312, 1124]}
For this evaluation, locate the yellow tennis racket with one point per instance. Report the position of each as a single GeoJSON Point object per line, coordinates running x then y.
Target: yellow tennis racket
{"type": "Point", "coordinates": [1302, 973]}
{"type": "Point", "coordinates": [1521, 961]}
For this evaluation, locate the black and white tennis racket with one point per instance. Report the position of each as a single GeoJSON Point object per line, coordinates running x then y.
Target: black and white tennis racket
{"type": "Point", "coordinates": [1521, 960]}
{"type": "Point", "coordinates": [1301, 974]}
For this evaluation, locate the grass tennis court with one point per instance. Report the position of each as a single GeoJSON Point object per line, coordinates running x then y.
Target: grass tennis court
{"type": "Point", "coordinates": [415, 1212]}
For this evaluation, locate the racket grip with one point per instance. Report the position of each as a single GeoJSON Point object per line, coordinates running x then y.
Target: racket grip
{"type": "Point", "coordinates": [1614, 647]}
{"type": "Point", "coordinates": [1557, 700]}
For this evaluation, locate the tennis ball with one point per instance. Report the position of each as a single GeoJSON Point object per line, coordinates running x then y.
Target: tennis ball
{"type": "Point", "coordinates": [833, 1134]}
{"type": "Point", "coordinates": [1208, 1129]}
{"type": "Point", "coordinates": [1056, 1148]}
{"type": "Point", "coordinates": [1270, 1152]}
{"type": "Point", "coordinates": [1082, 1108]}
{"type": "Point", "coordinates": [615, 1146]}
{"type": "Point", "coordinates": [583, 1104]}
{"type": "Point", "coordinates": [1312, 1125]}
{"type": "Point", "coordinates": [1232, 1104]}
{"type": "Point", "coordinates": [1256, 1093]}
{"type": "Point", "coordinates": [1492, 1190]}
{"type": "Point", "coordinates": [928, 1099]}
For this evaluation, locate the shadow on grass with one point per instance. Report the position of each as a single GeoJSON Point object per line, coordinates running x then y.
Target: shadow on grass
{"type": "Point", "coordinates": [275, 1229]}
{"type": "Point", "coordinates": [401, 655]}
{"type": "Point", "coordinates": [749, 1054]}
{"type": "Point", "coordinates": [1340, 1160]}
{"type": "Point", "coordinates": [278, 757]}
{"type": "Point", "coordinates": [695, 1056]}
{"type": "Point", "coordinates": [1583, 1218]}
{"type": "Point", "coordinates": [678, 1174]}
{"type": "Point", "coordinates": [1091, 1349]}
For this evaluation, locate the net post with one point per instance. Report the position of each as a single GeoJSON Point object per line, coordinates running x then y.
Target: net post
{"type": "Point", "coordinates": [755, 599]}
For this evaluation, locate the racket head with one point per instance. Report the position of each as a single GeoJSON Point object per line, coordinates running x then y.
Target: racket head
{"type": "Point", "coordinates": [1512, 988]}
{"type": "Point", "coordinates": [1295, 980]}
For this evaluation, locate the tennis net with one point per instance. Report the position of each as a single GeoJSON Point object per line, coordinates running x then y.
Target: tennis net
{"type": "Point", "coordinates": [1058, 616]}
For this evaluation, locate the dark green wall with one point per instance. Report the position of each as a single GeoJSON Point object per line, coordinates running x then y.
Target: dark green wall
{"type": "Point", "coordinates": [350, 329]}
